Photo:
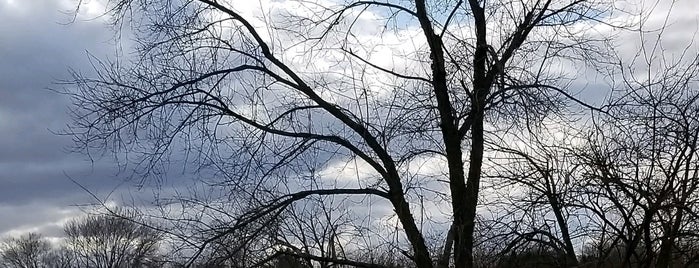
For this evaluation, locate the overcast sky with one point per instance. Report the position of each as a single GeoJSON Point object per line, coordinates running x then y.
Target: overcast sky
{"type": "Point", "coordinates": [37, 46]}
{"type": "Point", "coordinates": [36, 49]}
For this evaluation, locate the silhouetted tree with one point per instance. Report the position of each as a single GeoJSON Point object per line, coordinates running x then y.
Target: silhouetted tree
{"type": "Point", "coordinates": [269, 96]}
{"type": "Point", "coordinates": [109, 241]}
{"type": "Point", "coordinates": [27, 251]}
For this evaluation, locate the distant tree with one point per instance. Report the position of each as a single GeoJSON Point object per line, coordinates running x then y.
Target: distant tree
{"type": "Point", "coordinates": [110, 241]}
{"type": "Point", "coordinates": [27, 251]}
{"type": "Point", "coordinates": [289, 261]}
{"type": "Point", "coordinates": [532, 258]}
{"type": "Point", "coordinates": [61, 257]}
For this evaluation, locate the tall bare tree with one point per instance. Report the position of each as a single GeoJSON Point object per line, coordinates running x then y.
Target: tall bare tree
{"type": "Point", "coordinates": [268, 94]}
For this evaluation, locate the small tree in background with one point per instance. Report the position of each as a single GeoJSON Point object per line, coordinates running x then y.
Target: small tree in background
{"type": "Point", "coordinates": [27, 251]}
{"type": "Point", "coordinates": [110, 241]}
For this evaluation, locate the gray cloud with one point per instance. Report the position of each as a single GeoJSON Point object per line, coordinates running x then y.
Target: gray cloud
{"type": "Point", "coordinates": [36, 51]}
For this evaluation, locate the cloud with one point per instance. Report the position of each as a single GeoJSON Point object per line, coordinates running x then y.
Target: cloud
{"type": "Point", "coordinates": [36, 51]}
{"type": "Point", "coordinates": [37, 217]}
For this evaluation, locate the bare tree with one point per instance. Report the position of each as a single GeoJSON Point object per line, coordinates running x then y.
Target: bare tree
{"type": "Point", "coordinates": [645, 164]}
{"type": "Point", "coordinates": [108, 241]}
{"type": "Point", "coordinates": [61, 257]}
{"type": "Point", "coordinates": [640, 159]}
{"type": "Point", "coordinates": [533, 181]}
{"type": "Point", "coordinates": [27, 251]}
{"type": "Point", "coordinates": [269, 95]}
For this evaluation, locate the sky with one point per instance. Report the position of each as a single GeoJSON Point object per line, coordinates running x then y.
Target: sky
{"type": "Point", "coordinates": [37, 48]}
{"type": "Point", "coordinates": [42, 183]}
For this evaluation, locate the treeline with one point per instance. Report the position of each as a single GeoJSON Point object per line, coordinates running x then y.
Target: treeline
{"type": "Point", "coordinates": [98, 240]}
{"type": "Point", "coordinates": [117, 240]}
{"type": "Point", "coordinates": [121, 241]}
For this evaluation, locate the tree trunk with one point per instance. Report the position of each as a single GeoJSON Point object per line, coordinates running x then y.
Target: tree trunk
{"type": "Point", "coordinates": [571, 259]}
{"type": "Point", "coordinates": [665, 254]}
{"type": "Point", "coordinates": [472, 187]}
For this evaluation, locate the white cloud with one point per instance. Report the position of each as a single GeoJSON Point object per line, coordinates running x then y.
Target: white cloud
{"type": "Point", "coordinates": [36, 217]}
